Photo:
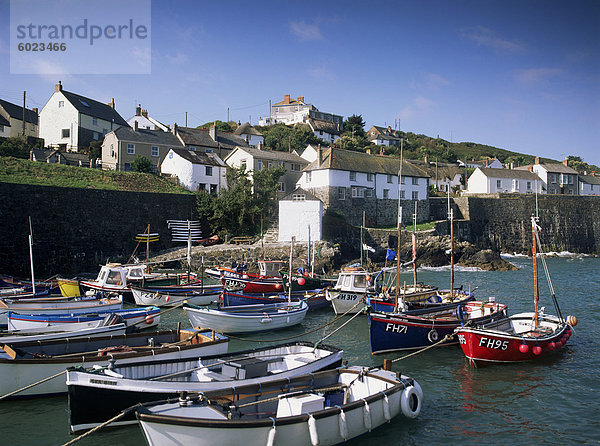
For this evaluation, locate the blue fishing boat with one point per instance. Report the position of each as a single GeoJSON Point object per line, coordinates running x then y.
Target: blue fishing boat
{"type": "Point", "coordinates": [315, 299]}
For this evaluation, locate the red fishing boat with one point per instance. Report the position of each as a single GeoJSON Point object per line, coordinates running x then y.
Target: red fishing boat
{"type": "Point", "coordinates": [522, 337]}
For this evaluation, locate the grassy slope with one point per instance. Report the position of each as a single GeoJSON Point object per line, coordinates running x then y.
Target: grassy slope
{"type": "Point", "coordinates": [14, 170]}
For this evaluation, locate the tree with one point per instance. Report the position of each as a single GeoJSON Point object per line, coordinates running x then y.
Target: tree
{"type": "Point", "coordinates": [16, 147]}
{"type": "Point", "coordinates": [142, 164]}
{"type": "Point", "coordinates": [284, 138]}
{"type": "Point", "coordinates": [95, 150]}
{"type": "Point", "coordinates": [355, 126]}
{"type": "Point", "coordinates": [221, 126]}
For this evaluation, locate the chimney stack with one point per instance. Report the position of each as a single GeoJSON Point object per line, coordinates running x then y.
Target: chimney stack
{"type": "Point", "coordinates": [537, 159]}
{"type": "Point", "coordinates": [138, 110]}
{"type": "Point", "coordinates": [174, 129]}
{"type": "Point", "coordinates": [368, 151]}
{"type": "Point", "coordinates": [145, 113]}
{"type": "Point", "coordinates": [112, 103]}
{"type": "Point", "coordinates": [426, 160]}
{"type": "Point", "coordinates": [381, 150]}
{"type": "Point", "coordinates": [566, 162]}
{"type": "Point", "coordinates": [286, 99]}
{"type": "Point", "coordinates": [530, 167]}
{"type": "Point", "coordinates": [213, 131]}
{"type": "Point", "coordinates": [58, 87]}
{"type": "Point", "coordinates": [35, 110]}
{"type": "Point", "coordinates": [260, 145]}
{"type": "Point", "coordinates": [300, 98]}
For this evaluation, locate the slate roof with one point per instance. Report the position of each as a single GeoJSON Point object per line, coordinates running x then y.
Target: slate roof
{"type": "Point", "coordinates": [202, 138]}
{"type": "Point", "coordinates": [509, 173]}
{"type": "Point", "coordinates": [589, 179]}
{"type": "Point", "coordinates": [194, 157]}
{"type": "Point", "coordinates": [349, 160]}
{"type": "Point", "coordinates": [16, 112]}
{"type": "Point", "coordinates": [246, 129]}
{"type": "Point", "coordinates": [274, 155]}
{"type": "Point", "coordinates": [552, 167]}
{"type": "Point", "coordinates": [4, 122]}
{"type": "Point", "coordinates": [147, 136]}
{"type": "Point", "coordinates": [308, 196]}
{"type": "Point", "coordinates": [444, 170]}
{"type": "Point", "coordinates": [93, 108]}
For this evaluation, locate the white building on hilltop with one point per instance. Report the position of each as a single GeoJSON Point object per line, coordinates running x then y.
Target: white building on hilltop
{"type": "Point", "coordinates": [296, 111]}
{"type": "Point", "coordinates": [489, 181]}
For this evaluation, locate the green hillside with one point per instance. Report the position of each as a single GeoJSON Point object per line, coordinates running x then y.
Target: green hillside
{"type": "Point", "coordinates": [14, 170]}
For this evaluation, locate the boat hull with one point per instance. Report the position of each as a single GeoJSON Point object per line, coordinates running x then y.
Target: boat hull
{"type": "Point", "coordinates": [247, 318]}
{"type": "Point", "coordinates": [484, 346]}
{"type": "Point", "coordinates": [398, 331]}
{"type": "Point", "coordinates": [94, 399]}
{"type": "Point", "coordinates": [315, 300]}
{"type": "Point", "coordinates": [166, 298]}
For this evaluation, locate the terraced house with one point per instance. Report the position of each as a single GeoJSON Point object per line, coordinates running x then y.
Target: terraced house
{"type": "Point", "coordinates": [352, 182]}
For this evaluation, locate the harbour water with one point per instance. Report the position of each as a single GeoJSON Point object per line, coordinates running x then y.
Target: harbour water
{"type": "Point", "coordinates": [554, 401]}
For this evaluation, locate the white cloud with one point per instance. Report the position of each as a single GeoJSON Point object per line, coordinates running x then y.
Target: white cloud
{"type": "Point", "coordinates": [537, 75]}
{"type": "Point", "coordinates": [483, 36]}
{"type": "Point", "coordinates": [305, 32]}
{"type": "Point", "coordinates": [420, 106]}
{"type": "Point", "coordinates": [177, 59]}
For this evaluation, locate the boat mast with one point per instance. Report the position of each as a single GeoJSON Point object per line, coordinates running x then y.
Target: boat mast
{"type": "Point", "coordinates": [31, 254]}
{"type": "Point", "coordinates": [290, 272]}
{"type": "Point", "coordinates": [414, 246]}
{"type": "Point", "coordinates": [451, 218]}
{"type": "Point", "coordinates": [399, 222]}
{"type": "Point", "coordinates": [535, 277]}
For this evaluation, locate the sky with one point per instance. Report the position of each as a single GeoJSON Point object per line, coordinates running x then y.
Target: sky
{"type": "Point", "coordinates": [519, 75]}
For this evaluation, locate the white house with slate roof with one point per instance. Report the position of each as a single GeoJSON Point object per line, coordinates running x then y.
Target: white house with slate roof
{"type": "Point", "coordinates": [300, 216]}
{"type": "Point", "coordinates": [196, 170]}
{"type": "Point", "coordinates": [146, 122]}
{"type": "Point", "coordinates": [557, 178]}
{"type": "Point", "coordinates": [121, 146]}
{"type": "Point", "coordinates": [209, 141]}
{"type": "Point", "coordinates": [71, 121]}
{"type": "Point", "coordinates": [589, 185]}
{"type": "Point", "coordinates": [256, 159]}
{"type": "Point", "coordinates": [486, 180]}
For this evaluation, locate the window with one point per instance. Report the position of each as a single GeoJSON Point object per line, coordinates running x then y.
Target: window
{"type": "Point", "coordinates": [341, 193]}
{"type": "Point", "coordinates": [515, 184]}
{"type": "Point", "coordinates": [94, 121]}
{"type": "Point", "coordinates": [389, 179]}
{"type": "Point", "coordinates": [192, 148]}
{"type": "Point", "coordinates": [243, 164]}
{"type": "Point", "coordinates": [529, 185]}
{"type": "Point", "coordinates": [208, 150]}
{"type": "Point", "coordinates": [66, 133]}
{"type": "Point", "coordinates": [386, 193]}
{"type": "Point", "coordinates": [352, 176]}
{"type": "Point", "coordinates": [358, 192]}
{"type": "Point", "coordinates": [298, 197]}
{"type": "Point", "coordinates": [1, 128]}
{"type": "Point", "coordinates": [281, 187]}
{"type": "Point", "coordinates": [553, 177]}
{"type": "Point", "coordinates": [499, 183]}
{"type": "Point", "coordinates": [270, 164]}
{"type": "Point", "coordinates": [402, 180]}
{"type": "Point", "coordinates": [415, 195]}
{"type": "Point", "coordinates": [280, 164]}
{"type": "Point", "coordinates": [61, 104]}
{"type": "Point", "coordinates": [130, 149]}
{"type": "Point", "coordinates": [127, 167]}
{"type": "Point", "coordinates": [295, 167]}
{"type": "Point", "coordinates": [170, 155]}
{"type": "Point", "coordinates": [402, 194]}
{"type": "Point", "coordinates": [96, 136]}
{"type": "Point", "coordinates": [208, 171]}
{"type": "Point", "coordinates": [369, 193]}
{"type": "Point", "coordinates": [571, 191]}
{"type": "Point", "coordinates": [213, 188]}
{"type": "Point", "coordinates": [201, 186]}
{"type": "Point", "coordinates": [570, 179]}
{"type": "Point", "coordinates": [415, 181]}
{"type": "Point", "coordinates": [370, 177]}
{"type": "Point", "coordinates": [104, 132]}
{"type": "Point", "coordinates": [154, 151]}
{"type": "Point", "coordinates": [308, 176]}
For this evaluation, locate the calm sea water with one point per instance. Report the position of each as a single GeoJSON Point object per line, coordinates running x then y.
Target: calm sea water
{"type": "Point", "coordinates": [554, 401]}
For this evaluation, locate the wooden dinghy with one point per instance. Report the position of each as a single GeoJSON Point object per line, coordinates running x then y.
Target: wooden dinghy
{"type": "Point", "coordinates": [323, 408]}
{"type": "Point", "coordinates": [98, 394]}
{"type": "Point", "coordinates": [29, 362]}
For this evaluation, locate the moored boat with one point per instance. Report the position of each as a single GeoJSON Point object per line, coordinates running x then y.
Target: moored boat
{"type": "Point", "coordinates": [323, 408]}
{"type": "Point", "coordinates": [29, 362]}
{"type": "Point", "coordinates": [247, 318]}
{"type": "Point", "coordinates": [170, 296]}
{"type": "Point", "coordinates": [98, 394]}
{"type": "Point", "coordinates": [315, 299]}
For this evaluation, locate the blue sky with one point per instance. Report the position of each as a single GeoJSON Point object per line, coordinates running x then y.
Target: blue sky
{"type": "Point", "coordinates": [519, 75]}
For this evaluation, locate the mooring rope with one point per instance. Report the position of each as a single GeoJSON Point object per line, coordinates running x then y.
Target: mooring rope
{"type": "Point", "coordinates": [32, 385]}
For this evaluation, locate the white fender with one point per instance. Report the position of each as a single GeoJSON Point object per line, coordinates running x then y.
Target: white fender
{"type": "Point", "coordinates": [312, 430]}
{"type": "Point", "coordinates": [271, 436]}
{"type": "Point", "coordinates": [386, 407]}
{"type": "Point", "coordinates": [343, 425]}
{"type": "Point", "coordinates": [367, 416]}
{"type": "Point", "coordinates": [409, 398]}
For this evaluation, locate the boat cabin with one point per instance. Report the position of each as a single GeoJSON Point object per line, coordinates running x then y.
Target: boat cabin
{"type": "Point", "coordinates": [354, 279]}
{"type": "Point", "coordinates": [270, 267]}
{"type": "Point", "coordinates": [112, 274]}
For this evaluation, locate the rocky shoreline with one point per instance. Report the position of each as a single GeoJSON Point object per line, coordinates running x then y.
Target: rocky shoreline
{"type": "Point", "coordinates": [432, 251]}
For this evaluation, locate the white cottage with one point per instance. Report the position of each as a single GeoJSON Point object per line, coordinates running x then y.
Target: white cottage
{"type": "Point", "coordinates": [252, 136]}
{"type": "Point", "coordinates": [589, 185]}
{"type": "Point", "coordinates": [144, 121]}
{"type": "Point", "coordinates": [71, 121]}
{"type": "Point", "coordinates": [300, 216]}
{"type": "Point", "coordinates": [489, 181]}
{"type": "Point", "coordinates": [196, 170]}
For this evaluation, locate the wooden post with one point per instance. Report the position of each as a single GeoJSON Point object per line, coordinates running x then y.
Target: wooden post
{"type": "Point", "coordinates": [387, 364]}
